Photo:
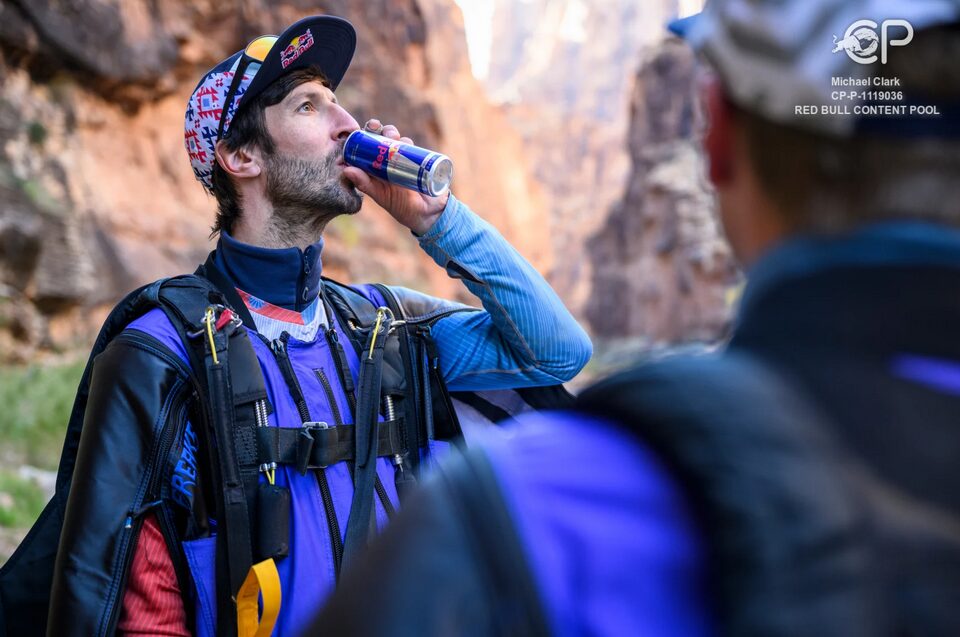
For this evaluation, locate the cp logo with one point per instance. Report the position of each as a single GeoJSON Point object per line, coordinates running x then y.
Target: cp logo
{"type": "Point", "coordinates": [860, 42]}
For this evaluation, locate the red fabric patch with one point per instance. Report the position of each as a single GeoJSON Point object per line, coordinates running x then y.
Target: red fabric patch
{"type": "Point", "coordinates": [259, 306]}
{"type": "Point", "coordinates": [152, 604]}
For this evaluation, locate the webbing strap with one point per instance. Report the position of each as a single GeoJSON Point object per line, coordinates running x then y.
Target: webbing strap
{"type": "Point", "coordinates": [234, 535]}
{"type": "Point", "coordinates": [427, 394]}
{"type": "Point", "coordinates": [368, 407]}
{"type": "Point", "coordinates": [263, 581]}
{"type": "Point", "coordinates": [317, 448]}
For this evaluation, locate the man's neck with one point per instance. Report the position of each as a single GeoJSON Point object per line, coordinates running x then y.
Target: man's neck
{"type": "Point", "coordinates": [274, 231]}
{"type": "Point", "coordinates": [263, 225]}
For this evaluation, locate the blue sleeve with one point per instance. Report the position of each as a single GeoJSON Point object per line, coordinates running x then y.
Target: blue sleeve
{"type": "Point", "coordinates": [525, 337]}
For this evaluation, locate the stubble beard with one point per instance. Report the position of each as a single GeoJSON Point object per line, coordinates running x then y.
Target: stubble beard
{"type": "Point", "coordinates": [306, 195]}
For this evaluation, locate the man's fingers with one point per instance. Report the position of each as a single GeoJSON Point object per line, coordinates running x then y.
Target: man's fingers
{"type": "Point", "coordinates": [390, 131]}
{"type": "Point", "coordinates": [359, 178]}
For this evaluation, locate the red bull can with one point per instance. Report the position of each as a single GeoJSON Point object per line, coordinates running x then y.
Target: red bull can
{"type": "Point", "coordinates": [402, 164]}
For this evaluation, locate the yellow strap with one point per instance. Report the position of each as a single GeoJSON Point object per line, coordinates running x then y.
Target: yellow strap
{"type": "Point", "coordinates": [376, 329]}
{"type": "Point", "coordinates": [262, 580]}
{"type": "Point", "coordinates": [213, 347]}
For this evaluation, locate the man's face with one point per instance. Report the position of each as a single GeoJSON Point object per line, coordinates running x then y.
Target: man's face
{"type": "Point", "coordinates": [305, 173]}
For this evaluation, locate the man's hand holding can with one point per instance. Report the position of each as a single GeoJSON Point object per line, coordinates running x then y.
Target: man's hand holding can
{"type": "Point", "coordinates": [409, 182]}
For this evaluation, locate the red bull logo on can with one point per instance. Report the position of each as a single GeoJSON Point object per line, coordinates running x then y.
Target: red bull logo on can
{"type": "Point", "coordinates": [401, 164]}
{"type": "Point", "coordinates": [296, 48]}
{"type": "Point", "coordinates": [384, 153]}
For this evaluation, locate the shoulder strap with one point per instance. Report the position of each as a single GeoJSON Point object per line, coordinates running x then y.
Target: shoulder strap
{"type": "Point", "coordinates": [441, 421]}
{"type": "Point", "coordinates": [222, 284]}
{"type": "Point", "coordinates": [207, 312]}
{"type": "Point", "coordinates": [182, 298]}
{"type": "Point", "coordinates": [352, 309]}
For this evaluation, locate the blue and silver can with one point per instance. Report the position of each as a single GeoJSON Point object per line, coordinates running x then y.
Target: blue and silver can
{"type": "Point", "coordinates": [402, 164]}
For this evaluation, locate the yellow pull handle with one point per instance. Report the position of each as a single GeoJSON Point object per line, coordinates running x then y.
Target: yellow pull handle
{"type": "Point", "coordinates": [263, 580]}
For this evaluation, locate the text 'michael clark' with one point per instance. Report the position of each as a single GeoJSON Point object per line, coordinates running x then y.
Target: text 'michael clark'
{"type": "Point", "coordinates": [865, 81]}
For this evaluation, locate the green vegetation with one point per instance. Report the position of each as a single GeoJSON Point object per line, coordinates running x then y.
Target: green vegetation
{"type": "Point", "coordinates": [36, 402]}
{"type": "Point", "coordinates": [37, 133]}
{"type": "Point", "coordinates": [21, 501]}
{"type": "Point", "coordinates": [40, 197]}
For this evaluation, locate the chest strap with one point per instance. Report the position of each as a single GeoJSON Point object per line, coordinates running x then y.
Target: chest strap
{"type": "Point", "coordinates": [318, 447]}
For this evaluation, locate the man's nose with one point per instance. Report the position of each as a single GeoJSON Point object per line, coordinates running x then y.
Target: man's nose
{"type": "Point", "coordinates": [345, 124]}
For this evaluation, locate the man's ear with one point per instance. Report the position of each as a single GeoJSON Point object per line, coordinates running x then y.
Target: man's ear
{"type": "Point", "coordinates": [718, 142]}
{"type": "Point", "coordinates": [242, 163]}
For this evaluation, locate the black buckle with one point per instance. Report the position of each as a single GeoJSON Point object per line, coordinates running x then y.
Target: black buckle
{"type": "Point", "coordinates": [305, 442]}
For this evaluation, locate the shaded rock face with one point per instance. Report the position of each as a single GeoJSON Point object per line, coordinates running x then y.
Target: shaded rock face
{"type": "Point", "coordinates": [661, 266]}
{"type": "Point", "coordinates": [96, 193]}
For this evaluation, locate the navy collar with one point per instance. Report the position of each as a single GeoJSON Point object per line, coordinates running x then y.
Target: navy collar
{"type": "Point", "coordinates": [287, 277]}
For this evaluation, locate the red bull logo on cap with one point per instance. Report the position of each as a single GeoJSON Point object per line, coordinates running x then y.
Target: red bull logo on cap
{"type": "Point", "coordinates": [296, 48]}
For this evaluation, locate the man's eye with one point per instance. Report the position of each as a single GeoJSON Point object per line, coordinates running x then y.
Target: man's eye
{"type": "Point", "coordinates": [306, 106]}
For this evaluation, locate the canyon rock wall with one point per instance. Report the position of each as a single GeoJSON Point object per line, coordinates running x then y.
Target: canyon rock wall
{"type": "Point", "coordinates": [662, 247]}
{"type": "Point", "coordinates": [604, 98]}
{"type": "Point", "coordinates": [96, 193]}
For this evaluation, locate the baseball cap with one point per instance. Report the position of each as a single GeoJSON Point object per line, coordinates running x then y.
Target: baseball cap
{"type": "Point", "coordinates": [774, 56]}
{"type": "Point", "coordinates": [326, 42]}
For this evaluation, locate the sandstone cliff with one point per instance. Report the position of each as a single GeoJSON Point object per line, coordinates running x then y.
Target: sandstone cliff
{"type": "Point", "coordinates": [662, 247]}
{"type": "Point", "coordinates": [96, 194]}
{"type": "Point", "coordinates": [604, 100]}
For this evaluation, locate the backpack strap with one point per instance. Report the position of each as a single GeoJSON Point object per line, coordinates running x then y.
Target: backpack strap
{"type": "Point", "coordinates": [212, 273]}
{"type": "Point", "coordinates": [439, 418]}
{"type": "Point", "coordinates": [366, 439]}
{"type": "Point", "coordinates": [208, 318]}
{"type": "Point", "coordinates": [358, 315]}
{"type": "Point", "coordinates": [320, 447]}
{"type": "Point", "coordinates": [224, 352]}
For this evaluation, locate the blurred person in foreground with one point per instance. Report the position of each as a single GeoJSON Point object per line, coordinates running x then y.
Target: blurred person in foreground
{"type": "Point", "coordinates": [803, 481]}
{"type": "Point", "coordinates": [198, 471]}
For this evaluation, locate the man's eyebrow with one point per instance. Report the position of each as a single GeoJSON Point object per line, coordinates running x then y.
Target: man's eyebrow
{"type": "Point", "coordinates": [315, 95]}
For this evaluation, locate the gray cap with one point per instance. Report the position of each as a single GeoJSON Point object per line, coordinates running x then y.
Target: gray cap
{"type": "Point", "coordinates": [776, 55]}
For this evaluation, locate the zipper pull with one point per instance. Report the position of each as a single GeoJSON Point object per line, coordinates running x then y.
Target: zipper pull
{"type": "Point", "coordinates": [133, 514]}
